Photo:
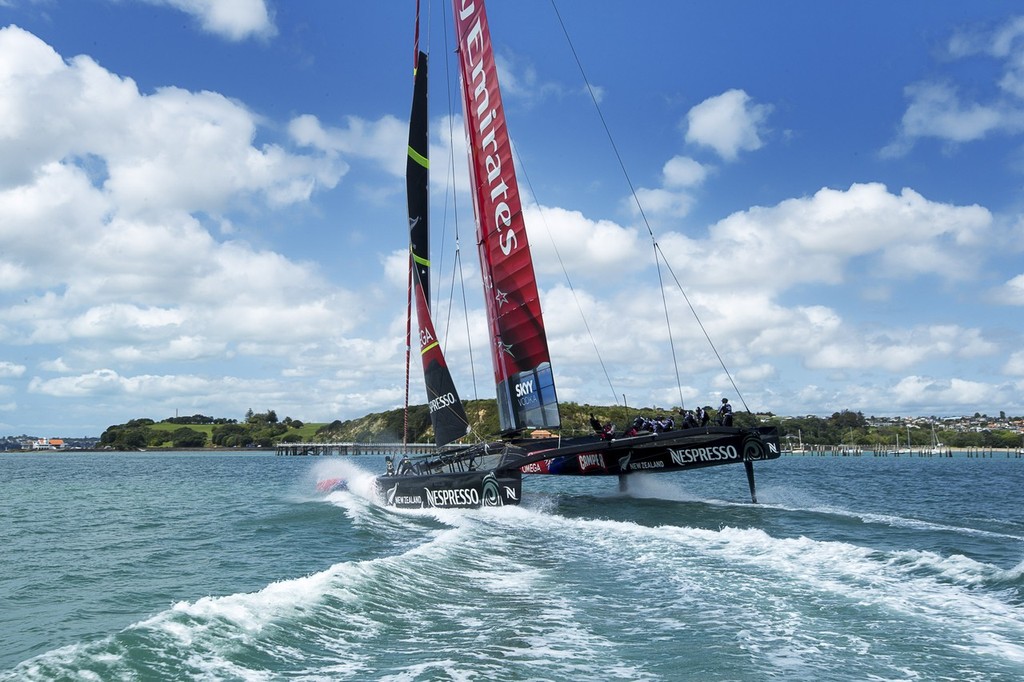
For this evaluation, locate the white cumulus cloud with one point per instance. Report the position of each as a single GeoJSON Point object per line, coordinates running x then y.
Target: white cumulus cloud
{"type": "Point", "coordinates": [232, 19]}
{"type": "Point", "coordinates": [728, 123]}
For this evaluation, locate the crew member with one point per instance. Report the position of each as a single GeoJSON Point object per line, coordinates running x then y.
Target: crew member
{"type": "Point", "coordinates": [703, 417]}
{"type": "Point", "coordinates": [725, 413]}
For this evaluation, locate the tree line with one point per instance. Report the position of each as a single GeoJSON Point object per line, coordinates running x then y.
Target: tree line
{"type": "Point", "coordinates": [260, 429]}
{"type": "Point", "coordinates": [264, 429]}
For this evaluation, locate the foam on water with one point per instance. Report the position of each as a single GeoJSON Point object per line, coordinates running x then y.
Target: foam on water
{"type": "Point", "coordinates": [670, 489]}
{"type": "Point", "coordinates": [529, 593]}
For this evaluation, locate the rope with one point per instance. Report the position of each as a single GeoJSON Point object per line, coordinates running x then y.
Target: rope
{"type": "Point", "coordinates": [568, 280]}
{"type": "Point", "coordinates": [643, 216]}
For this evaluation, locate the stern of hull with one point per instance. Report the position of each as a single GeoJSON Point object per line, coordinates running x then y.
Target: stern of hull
{"type": "Point", "coordinates": [467, 490]}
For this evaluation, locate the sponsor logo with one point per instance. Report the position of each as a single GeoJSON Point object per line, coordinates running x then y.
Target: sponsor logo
{"type": "Point", "coordinates": [524, 388]}
{"type": "Point", "coordinates": [535, 468]}
{"type": "Point", "coordinates": [442, 401]}
{"type": "Point", "coordinates": [426, 338]}
{"type": "Point", "coordinates": [510, 493]}
{"type": "Point", "coordinates": [715, 453]}
{"type": "Point", "coordinates": [457, 497]}
{"type": "Point", "coordinates": [492, 493]}
{"type": "Point", "coordinates": [393, 499]}
{"type": "Point", "coordinates": [656, 464]}
{"type": "Point", "coordinates": [754, 449]}
{"type": "Point", "coordinates": [486, 113]}
{"type": "Point", "coordinates": [526, 393]}
{"type": "Point", "coordinates": [590, 462]}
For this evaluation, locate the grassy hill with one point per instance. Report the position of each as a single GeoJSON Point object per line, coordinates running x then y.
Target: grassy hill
{"type": "Point", "coordinates": [264, 430]}
{"type": "Point", "coordinates": [387, 427]}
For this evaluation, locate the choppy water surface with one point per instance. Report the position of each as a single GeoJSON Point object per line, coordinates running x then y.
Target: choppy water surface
{"type": "Point", "coordinates": [228, 567]}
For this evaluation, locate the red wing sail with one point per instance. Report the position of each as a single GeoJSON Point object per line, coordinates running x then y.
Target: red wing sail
{"type": "Point", "coordinates": [519, 348]}
{"type": "Point", "coordinates": [447, 414]}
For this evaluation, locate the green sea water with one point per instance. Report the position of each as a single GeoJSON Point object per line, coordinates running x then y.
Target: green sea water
{"type": "Point", "coordinates": [199, 566]}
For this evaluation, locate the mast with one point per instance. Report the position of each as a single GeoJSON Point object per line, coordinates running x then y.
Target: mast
{"type": "Point", "coordinates": [446, 411]}
{"type": "Point", "coordinates": [408, 293]}
{"type": "Point", "coordinates": [519, 350]}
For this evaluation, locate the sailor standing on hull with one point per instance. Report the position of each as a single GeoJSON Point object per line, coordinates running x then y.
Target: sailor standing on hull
{"type": "Point", "coordinates": [725, 413]}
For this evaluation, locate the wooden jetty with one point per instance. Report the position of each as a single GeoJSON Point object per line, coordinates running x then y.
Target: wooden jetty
{"type": "Point", "coordinates": [326, 449]}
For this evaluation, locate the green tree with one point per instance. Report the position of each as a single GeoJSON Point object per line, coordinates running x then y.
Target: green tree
{"type": "Point", "coordinates": [188, 438]}
{"type": "Point", "coordinates": [232, 435]}
{"type": "Point", "coordinates": [132, 438]}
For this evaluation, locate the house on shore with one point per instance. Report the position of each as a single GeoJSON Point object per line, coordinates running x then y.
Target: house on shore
{"type": "Point", "coordinates": [48, 444]}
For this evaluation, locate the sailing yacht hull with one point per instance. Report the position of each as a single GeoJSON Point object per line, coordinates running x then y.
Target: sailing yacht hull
{"type": "Point", "coordinates": [679, 450]}
{"type": "Point", "coordinates": [462, 490]}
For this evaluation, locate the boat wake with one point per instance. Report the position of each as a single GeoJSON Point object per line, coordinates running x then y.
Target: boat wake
{"type": "Point", "coordinates": [333, 476]}
{"type": "Point", "coordinates": [441, 607]}
{"type": "Point", "coordinates": [774, 497]}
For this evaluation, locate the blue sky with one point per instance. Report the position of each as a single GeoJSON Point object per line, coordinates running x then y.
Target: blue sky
{"type": "Point", "coordinates": [202, 205]}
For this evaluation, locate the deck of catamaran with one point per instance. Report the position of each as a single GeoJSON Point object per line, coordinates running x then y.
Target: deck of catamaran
{"type": "Point", "coordinates": [328, 449]}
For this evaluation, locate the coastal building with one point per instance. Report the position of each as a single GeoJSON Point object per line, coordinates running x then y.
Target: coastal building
{"type": "Point", "coordinates": [49, 444]}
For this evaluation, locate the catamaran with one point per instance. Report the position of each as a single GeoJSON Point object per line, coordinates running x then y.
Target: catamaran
{"type": "Point", "coordinates": [490, 474]}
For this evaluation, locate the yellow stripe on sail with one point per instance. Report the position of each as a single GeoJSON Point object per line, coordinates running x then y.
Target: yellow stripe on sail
{"type": "Point", "coordinates": [419, 260]}
{"type": "Point", "coordinates": [419, 158]}
{"type": "Point", "coordinates": [427, 348]}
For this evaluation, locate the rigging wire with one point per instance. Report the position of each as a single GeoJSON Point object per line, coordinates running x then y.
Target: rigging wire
{"type": "Point", "coordinates": [565, 272]}
{"type": "Point", "coordinates": [455, 209]}
{"type": "Point", "coordinates": [668, 323]}
{"type": "Point", "coordinates": [657, 248]}
{"type": "Point", "coordinates": [457, 260]}
{"type": "Point", "coordinates": [704, 330]}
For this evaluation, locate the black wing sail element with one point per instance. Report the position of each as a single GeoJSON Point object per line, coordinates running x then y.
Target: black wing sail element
{"type": "Point", "coordinates": [417, 178]}
{"type": "Point", "coordinates": [447, 414]}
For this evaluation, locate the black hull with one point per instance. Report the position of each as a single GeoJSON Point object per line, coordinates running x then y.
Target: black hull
{"type": "Point", "coordinates": [680, 450]}
{"type": "Point", "coordinates": [491, 475]}
{"type": "Point", "coordinates": [463, 490]}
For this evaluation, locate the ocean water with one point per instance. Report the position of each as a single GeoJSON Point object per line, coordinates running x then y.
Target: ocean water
{"type": "Point", "coordinates": [196, 566]}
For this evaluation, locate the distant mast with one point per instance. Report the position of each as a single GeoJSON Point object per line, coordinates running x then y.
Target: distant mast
{"type": "Point", "coordinates": [446, 411]}
{"type": "Point", "coordinates": [519, 349]}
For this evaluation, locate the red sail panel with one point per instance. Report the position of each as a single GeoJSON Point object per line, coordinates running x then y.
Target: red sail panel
{"type": "Point", "coordinates": [519, 349]}
{"type": "Point", "coordinates": [447, 414]}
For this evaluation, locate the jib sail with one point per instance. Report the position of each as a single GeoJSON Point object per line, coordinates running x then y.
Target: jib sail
{"type": "Point", "coordinates": [446, 411]}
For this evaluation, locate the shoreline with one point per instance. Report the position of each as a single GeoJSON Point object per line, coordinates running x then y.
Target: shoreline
{"type": "Point", "coordinates": [812, 451]}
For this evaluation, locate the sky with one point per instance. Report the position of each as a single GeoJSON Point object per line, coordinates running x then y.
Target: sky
{"type": "Point", "coordinates": [202, 205]}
